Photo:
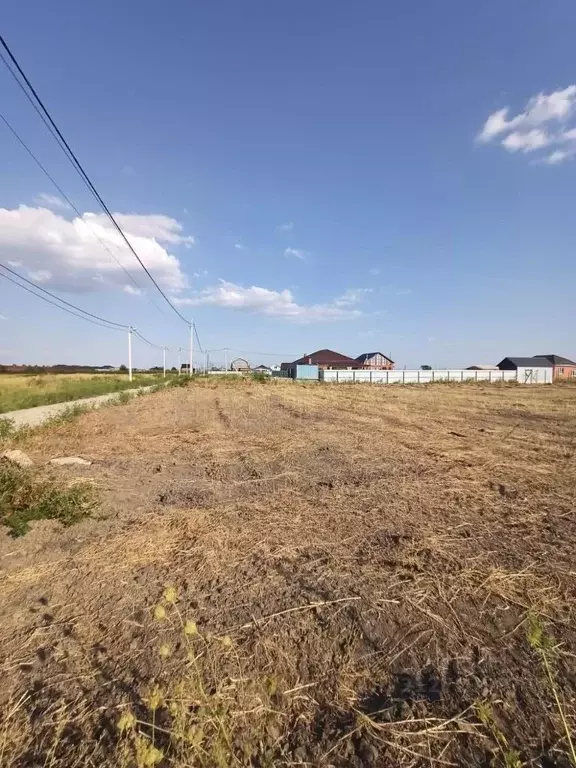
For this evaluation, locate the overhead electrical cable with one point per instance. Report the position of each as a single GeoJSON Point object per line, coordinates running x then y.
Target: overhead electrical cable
{"type": "Point", "coordinates": [147, 341]}
{"type": "Point", "coordinates": [70, 312]}
{"type": "Point", "coordinates": [74, 208]}
{"type": "Point", "coordinates": [79, 169]}
{"type": "Point", "coordinates": [198, 340]}
{"type": "Point", "coordinates": [69, 304]}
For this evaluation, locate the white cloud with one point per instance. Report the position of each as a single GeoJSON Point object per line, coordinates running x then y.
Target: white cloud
{"type": "Point", "coordinates": [52, 201]}
{"type": "Point", "coordinates": [275, 303]}
{"type": "Point", "coordinates": [558, 156]}
{"type": "Point", "coordinates": [66, 254]}
{"type": "Point", "coordinates": [352, 296]}
{"type": "Point", "coordinates": [40, 275]}
{"type": "Point", "coordinates": [239, 247]}
{"type": "Point", "coordinates": [131, 290]}
{"type": "Point", "coordinates": [3, 317]}
{"type": "Point", "coordinates": [288, 227]}
{"type": "Point", "coordinates": [548, 119]}
{"type": "Point", "coordinates": [297, 253]}
{"type": "Point", "coordinates": [526, 142]}
{"type": "Point", "coordinates": [374, 271]}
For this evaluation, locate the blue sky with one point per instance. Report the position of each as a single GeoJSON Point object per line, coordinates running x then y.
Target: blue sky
{"type": "Point", "coordinates": [297, 176]}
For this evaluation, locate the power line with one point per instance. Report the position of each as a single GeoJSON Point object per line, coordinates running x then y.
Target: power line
{"type": "Point", "coordinates": [198, 340]}
{"type": "Point", "coordinates": [70, 312]}
{"type": "Point", "coordinates": [80, 170]}
{"type": "Point", "coordinates": [48, 293]}
{"type": "Point", "coordinates": [263, 354]}
{"type": "Point", "coordinates": [70, 203]}
{"type": "Point", "coordinates": [147, 341]}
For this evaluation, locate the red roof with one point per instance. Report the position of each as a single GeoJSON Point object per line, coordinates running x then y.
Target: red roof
{"type": "Point", "coordinates": [328, 357]}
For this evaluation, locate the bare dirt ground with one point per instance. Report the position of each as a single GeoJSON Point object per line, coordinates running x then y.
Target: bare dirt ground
{"type": "Point", "coordinates": [301, 575]}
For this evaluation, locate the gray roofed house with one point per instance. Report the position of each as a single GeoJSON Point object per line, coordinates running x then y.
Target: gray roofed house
{"type": "Point", "coordinates": [563, 368]}
{"type": "Point", "coordinates": [511, 363]}
{"type": "Point", "coordinates": [557, 359]}
{"type": "Point", "coordinates": [529, 370]}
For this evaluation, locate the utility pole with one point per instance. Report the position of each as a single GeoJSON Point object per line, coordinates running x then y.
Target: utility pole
{"type": "Point", "coordinates": [191, 371]}
{"type": "Point", "coordinates": [164, 360]}
{"type": "Point", "coordinates": [130, 353]}
{"type": "Point", "coordinates": [206, 362]}
{"type": "Point", "coordinates": [225, 359]}
{"type": "Point", "coordinates": [179, 359]}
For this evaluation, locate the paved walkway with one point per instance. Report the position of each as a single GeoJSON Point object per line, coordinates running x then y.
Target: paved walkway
{"type": "Point", "coordinates": [32, 417]}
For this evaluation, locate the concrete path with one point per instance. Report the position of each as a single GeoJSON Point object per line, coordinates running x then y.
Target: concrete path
{"type": "Point", "coordinates": [32, 417]}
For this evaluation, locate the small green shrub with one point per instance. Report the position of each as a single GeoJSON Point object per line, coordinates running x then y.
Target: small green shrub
{"type": "Point", "coordinates": [179, 381]}
{"type": "Point", "coordinates": [263, 378]}
{"type": "Point", "coordinates": [26, 495]}
{"type": "Point", "coordinates": [123, 398]}
{"type": "Point", "coordinates": [7, 428]}
{"type": "Point", "coordinates": [67, 415]}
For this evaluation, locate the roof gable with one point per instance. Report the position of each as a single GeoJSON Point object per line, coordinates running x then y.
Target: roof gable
{"type": "Point", "coordinates": [369, 355]}
{"type": "Point", "coordinates": [557, 359]}
{"type": "Point", "coordinates": [526, 362]}
{"type": "Point", "coordinates": [325, 357]}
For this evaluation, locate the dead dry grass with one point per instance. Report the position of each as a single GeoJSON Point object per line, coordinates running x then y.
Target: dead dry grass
{"type": "Point", "coordinates": [359, 569]}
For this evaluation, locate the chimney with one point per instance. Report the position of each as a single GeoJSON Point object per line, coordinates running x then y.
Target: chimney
{"type": "Point", "coordinates": [309, 361]}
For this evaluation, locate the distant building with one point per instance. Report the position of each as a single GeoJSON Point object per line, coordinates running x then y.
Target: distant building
{"type": "Point", "coordinates": [531, 370]}
{"type": "Point", "coordinates": [326, 359]}
{"type": "Point", "coordinates": [375, 361]}
{"type": "Point", "coordinates": [482, 367]}
{"type": "Point", "coordinates": [262, 369]}
{"type": "Point", "coordinates": [240, 364]}
{"type": "Point", "coordinates": [563, 368]}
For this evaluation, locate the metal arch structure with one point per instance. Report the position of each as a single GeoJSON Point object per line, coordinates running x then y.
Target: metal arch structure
{"type": "Point", "coordinates": [235, 367]}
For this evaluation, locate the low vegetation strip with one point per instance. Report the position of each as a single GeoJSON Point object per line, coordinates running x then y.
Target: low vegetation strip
{"type": "Point", "coordinates": [286, 574]}
{"type": "Point", "coordinates": [27, 495]}
{"type": "Point", "coordinates": [18, 392]}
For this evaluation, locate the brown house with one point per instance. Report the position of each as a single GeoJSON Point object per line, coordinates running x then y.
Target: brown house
{"type": "Point", "coordinates": [375, 361]}
{"type": "Point", "coordinates": [327, 359]}
{"type": "Point", "coordinates": [563, 368]}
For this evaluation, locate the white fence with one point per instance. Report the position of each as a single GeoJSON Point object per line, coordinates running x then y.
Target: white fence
{"type": "Point", "coordinates": [425, 377]}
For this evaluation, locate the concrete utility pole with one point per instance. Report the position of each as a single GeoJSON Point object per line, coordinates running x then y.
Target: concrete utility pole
{"type": "Point", "coordinates": [225, 359]}
{"type": "Point", "coordinates": [164, 360]}
{"type": "Point", "coordinates": [130, 353]}
{"type": "Point", "coordinates": [179, 359]}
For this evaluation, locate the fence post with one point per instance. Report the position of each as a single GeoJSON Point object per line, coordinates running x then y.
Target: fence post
{"type": "Point", "coordinates": [448, 372]}
{"type": "Point", "coordinates": [387, 375]}
{"type": "Point", "coordinates": [476, 375]}
{"type": "Point", "coordinates": [403, 377]}
{"type": "Point", "coordinates": [418, 376]}
{"type": "Point", "coordinates": [461, 375]}
{"type": "Point", "coordinates": [370, 377]}
{"type": "Point", "coordinates": [489, 377]}
{"type": "Point", "coordinates": [336, 377]}
{"type": "Point", "coordinates": [432, 375]}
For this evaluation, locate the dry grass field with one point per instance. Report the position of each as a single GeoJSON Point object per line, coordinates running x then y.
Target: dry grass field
{"type": "Point", "coordinates": [28, 391]}
{"type": "Point", "coordinates": [283, 575]}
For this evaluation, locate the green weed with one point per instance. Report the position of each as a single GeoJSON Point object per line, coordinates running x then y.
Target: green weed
{"type": "Point", "coordinates": [546, 648]}
{"type": "Point", "coordinates": [123, 398]}
{"type": "Point", "coordinates": [263, 378]}
{"type": "Point", "coordinates": [7, 428]}
{"type": "Point", "coordinates": [26, 496]}
{"type": "Point", "coordinates": [485, 714]}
